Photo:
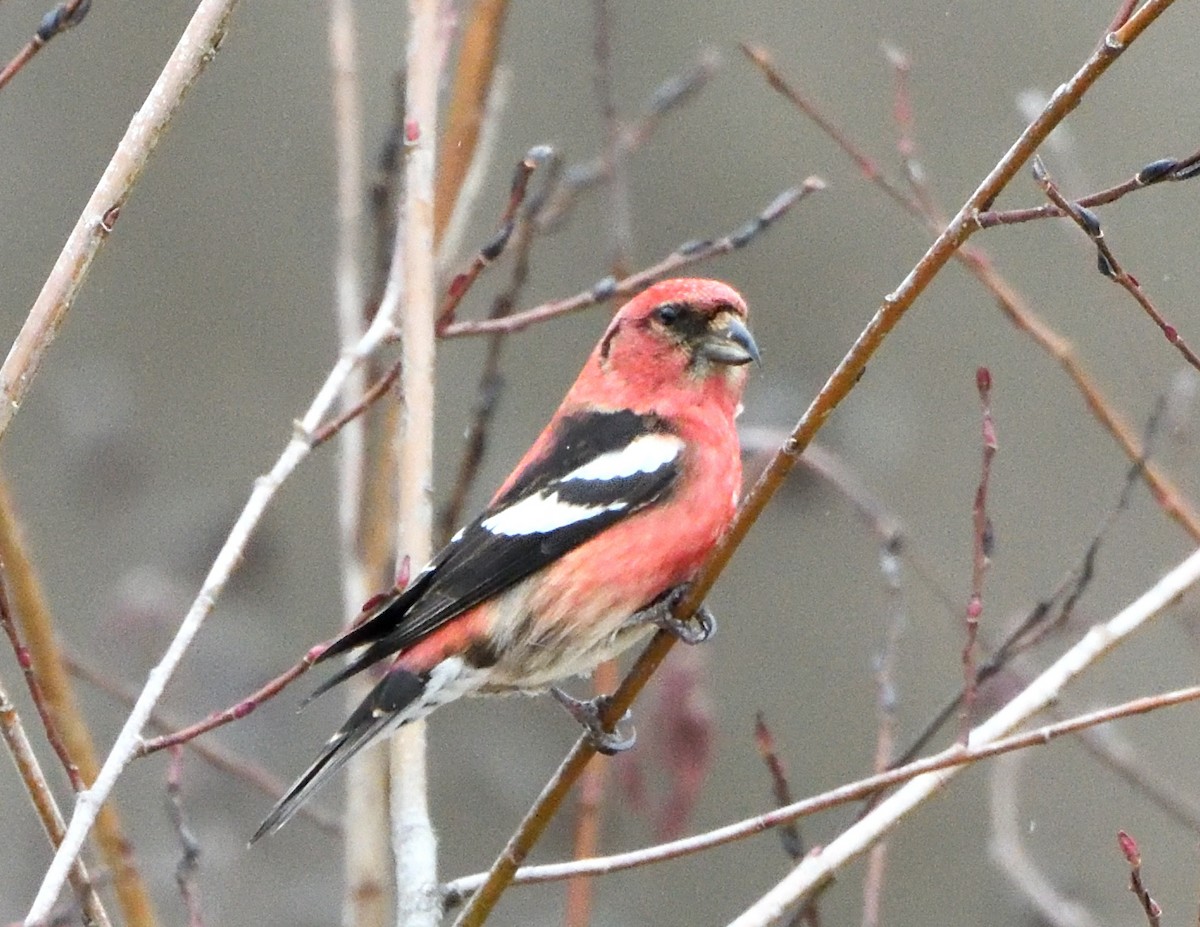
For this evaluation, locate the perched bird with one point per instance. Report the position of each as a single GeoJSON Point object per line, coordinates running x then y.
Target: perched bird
{"type": "Point", "coordinates": [585, 547]}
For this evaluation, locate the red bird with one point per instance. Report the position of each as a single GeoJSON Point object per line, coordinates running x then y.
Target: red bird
{"type": "Point", "coordinates": [586, 546]}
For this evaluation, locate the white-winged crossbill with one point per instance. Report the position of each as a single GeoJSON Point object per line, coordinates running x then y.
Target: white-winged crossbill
{"type": "Point", "coordinates": [586, 546]}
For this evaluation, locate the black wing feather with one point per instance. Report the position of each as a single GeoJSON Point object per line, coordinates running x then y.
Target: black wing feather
{"type": "Point", "coordinates": [481, 563]}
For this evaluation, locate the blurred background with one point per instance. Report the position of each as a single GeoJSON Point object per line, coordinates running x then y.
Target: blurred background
{"type": "Point", "coordinates": [207, 325]}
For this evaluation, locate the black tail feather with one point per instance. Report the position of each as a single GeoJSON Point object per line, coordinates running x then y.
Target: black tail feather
{"type": "Point", "coordinates": [380, 712]}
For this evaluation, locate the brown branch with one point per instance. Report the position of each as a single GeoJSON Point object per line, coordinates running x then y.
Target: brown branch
{"type": "Point", "coordinates": [55, 22]}
{"type": "Point", "coordinates": [12, 732]}
{"type": "Point", "coordinates": [462, 282]}
{"type": "Point", "coordinates": [37, 630]}
{"type": "Point", "coordinates": [189, 861]}
{"type": "Point", "coordinates": [372, 395]}
{"type": "Point", "coordinates": [1107, 261]}
{"type": "Point", "coordinates": [454, 892]}
{"type": "Point", "coordinates": [478, 52]}
{"type": "Point", "coordinates": [1133, 856]}
{"type": "Point", "coordinates": [608, 288]}
{"type": "Point", "coordinates": [234, 712]}
{"type": "Point", "coordinates": [214, 754]}
{"type": "Point", "coordinates": [836, 388]}
{"type": "Point", "coordinates": [981, 556]}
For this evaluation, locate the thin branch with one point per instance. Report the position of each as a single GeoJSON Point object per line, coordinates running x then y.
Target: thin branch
{"type": "Point", "coordinates": [1053, 611]}
{"type": "Point", "coordinates": [490, 378]}
{"type": "Point", "coordinates": [13, 733]}
{"type": "Point", "coordinates": [1158, 171]}
{"type": "Point", "coordinates": [817, 871]}
{"type": "Point", "coordinates": [217, 756]}
{"type": "Point", "coordinates": [234, 712]}
{"type": "Point", "coordinates": [956, 757]}
{"type": "Point", "coordinates": [608, 288]}
{"type": "Point", "coordinates": [55, 22]}
{"type": "Point", "coordinates": [982, 537]}
{"type": "Point", "coordinates": [1133, 856]}
{"type": "Point", "coordinates": [665, 99]}
{"type": "Point", "coordinates": [37, 628]}
{"type": "Point", "coordinates": [196, 48]}
{"type": "Point", "coordinates": [413, 840]}
{"type": "Point", "coordinates": [189, 862]}
{"type": "Point", "coordinates": [1107, 261]}
{"type": "Point", "coordinates": [227, 559]}
{"type": "Point", "coordinates": [477, 57]}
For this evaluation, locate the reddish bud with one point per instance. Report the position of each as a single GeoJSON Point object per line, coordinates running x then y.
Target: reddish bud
{"type": "Point", "coordinates": [1130, 848]}
{"type": "Point", "coordinates": [244, 708]}
{"type": "Point", "coordinates": [1171, 333]}
{"type": "Point", "coordinates": [314, 653]}
{"type": "Point", "coordinates": [372, 603]}
{"type": "Point", "coordinates": [983, 379]}
{"type": "Point", "coordinates": [974, 608]}
{"type": "Point", "coordinates": [412, 131]}
{"type": "Point", "coordinates": [404, 574]}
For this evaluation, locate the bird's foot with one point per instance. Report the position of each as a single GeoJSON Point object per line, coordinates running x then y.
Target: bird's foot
{"type": "Point", "coordinates": [696, 630]}
{"type": "Point", "coordinates": [588, 712]}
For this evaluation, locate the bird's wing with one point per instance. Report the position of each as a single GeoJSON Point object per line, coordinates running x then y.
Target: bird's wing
{"type": "Point", "coordinates": [599, 468]}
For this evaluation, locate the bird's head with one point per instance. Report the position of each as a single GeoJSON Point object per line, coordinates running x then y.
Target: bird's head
{"type": "Point", "coordinates": [688, 333]}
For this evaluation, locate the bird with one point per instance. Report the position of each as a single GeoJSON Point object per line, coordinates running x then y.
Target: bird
{"type": "Point", "coordinates": [584, 549]}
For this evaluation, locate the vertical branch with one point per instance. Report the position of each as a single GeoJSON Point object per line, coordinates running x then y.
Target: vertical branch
{"type": "Point", "coordinates": [37, 628]}
{"type": "Point", "coordinates": [366, 879]}
{"type": "Point", "coordinates": [477, 56]}
{"type": "Point", "coordinates": [982, 553]}
{"type": "Point", "coordinates": [12, 732]}
{"type": "Point", "coordinates": [412, 834]}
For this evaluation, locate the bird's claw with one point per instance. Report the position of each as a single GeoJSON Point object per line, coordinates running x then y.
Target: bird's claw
{"type": "Point", "coordinates": [589, 712]}
{"type": "Point", "coordinates": [696, 630]}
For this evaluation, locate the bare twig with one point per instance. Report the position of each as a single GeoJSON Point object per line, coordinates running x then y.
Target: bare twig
{"type": "Point", "coordinates": [196, 48]}
{"type": "Point", "coordinates": [1133, 856]}
{"type": "Point", "coordinates": [189, 863]}
{"type": "Point", "coordinates": [234, 712]}
{"type": "Point", "coordinates": [982, 553]}
{"type": "Point", "coordinates": [1053, 611]}
{"type": "Point", "coordinates": [413, 840]}
{"type": "Point", "coordinates": [608, 288]}
{"type": "Point", "coordinates": [953, 758]}
{"type": "Point", "coordinates": [40, 702]}
{"type": "Point", "coordinates": [1107, 261]}
{"type": "Point", "coordinates": [36, 623]}
{"type": "Point", "coordinates": [228, 558]}
{"type": "Point", "coordinates": [214, 754]}
{"type": "Point", "coordinates": [667, 97]}
{"type": "Point", "coordinates": [12, 731]}
{"type": "Point", "coordinates": [56, 21]}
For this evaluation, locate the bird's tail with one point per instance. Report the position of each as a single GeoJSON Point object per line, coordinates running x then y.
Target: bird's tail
{"type": "Point", "coordinates": [381, 712]}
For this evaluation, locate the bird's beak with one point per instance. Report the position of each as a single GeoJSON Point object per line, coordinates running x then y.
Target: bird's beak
{"type": "Point", "coordinates": [728, 341]}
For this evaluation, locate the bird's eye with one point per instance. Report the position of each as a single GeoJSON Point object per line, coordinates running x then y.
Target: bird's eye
{"type": "Point", "coordinates": [668, 314]}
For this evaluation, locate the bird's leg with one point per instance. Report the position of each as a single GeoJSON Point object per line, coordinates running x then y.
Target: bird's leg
{"type": "Point", "coordinates": [699, 628]}
{"type": "Point", "coordinates": [588, 712]}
